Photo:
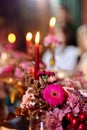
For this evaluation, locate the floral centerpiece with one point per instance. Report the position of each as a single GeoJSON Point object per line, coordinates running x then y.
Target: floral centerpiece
{"type": "Point", "coordinates": [52, 104]}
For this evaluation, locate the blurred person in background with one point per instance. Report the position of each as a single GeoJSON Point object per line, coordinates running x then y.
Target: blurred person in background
{"type": "Point", "coordinates": [65, 20]}
{"type": "Point", "coordinates": [82, 44]}
{"type": "Point", "coordinates": [64, 56]}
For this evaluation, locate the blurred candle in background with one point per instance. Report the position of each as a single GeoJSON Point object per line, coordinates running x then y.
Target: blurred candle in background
{"type": "Point", "coordinates": [28, 41]}
{"type": "Point", "coordinates": [41, 126]}
{"type": "Point", "coordinates": [52, 25]}
{"type": "Point", "coordinates": [36, 54]}
{"type": "Point", "coordinates": [11, 40]}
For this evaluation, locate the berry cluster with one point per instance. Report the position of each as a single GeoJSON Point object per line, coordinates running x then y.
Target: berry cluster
{"type": "Point", "coordinates": [77, 122]}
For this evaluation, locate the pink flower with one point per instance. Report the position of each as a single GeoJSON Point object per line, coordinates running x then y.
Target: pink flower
{"type": "Point", "coordinates": [8, 69]}
{"type": "Point", "coordinates": [52, 120]}
{"type": "Point", "coordinates": [66, 109]}
{"type": "Point", "coordinates": [46, 73]}
{"type": "Point", "coordinates": [72, 100]}
{"type": "Point", "coordinates": [27, 100]}
{"type": "Point", "coordinates": [84, 108]}
{"type": "Point", "coordinates": [26, 66]}
{"type": "Point", "coordinates": [54, 94]}
{"type": "Point", "coordinates": [76, 109]}
{"type": "Point", "coordinates": [59, 114]}
{"type": "Point", "coordinates": [51, 39]}
{"type": "Point", "coordinates": [9, 47]}
{"type": "Point", "coordinates": [17, 54]}
{"type": "Point", "coordinates": [24, 101]}
{"type": "Point", "coordinates": [77, 81]}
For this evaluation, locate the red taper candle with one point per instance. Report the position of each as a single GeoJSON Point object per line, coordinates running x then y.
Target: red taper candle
{"type": "Point", "coordinates": [52, 25]}
{"type": "Point", "coordinates": [28, 41]}
{"type": "Point", "coordinates": [36, 54]}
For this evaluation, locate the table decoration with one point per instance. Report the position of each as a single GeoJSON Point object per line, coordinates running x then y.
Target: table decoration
{"type": "Point", "coordinates": [28, 41]}
{"type": "Point", "coordinates": [52, 41]}
{"type": "Point", "coordinates": [48, 103]}
{"type": "Point", "coordinates": [36, 54]}
{"type": "Point", "coordinates": [54, 104]}
{"type": "Point", "coordinates": [52, 25]}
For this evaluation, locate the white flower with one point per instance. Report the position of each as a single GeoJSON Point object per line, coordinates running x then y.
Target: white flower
{"type": "Point", "coordinates": [31, 103]}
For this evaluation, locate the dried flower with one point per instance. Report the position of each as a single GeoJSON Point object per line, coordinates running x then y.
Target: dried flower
{"type": "Point", "coordinates": [25, 65]}
{"type": "Point", "coordinates": [52, 79]}
{"type": "Point", "coordinates": [28, 99]}
{"type": "Point", "coordinates": [45, 73]}
{"type": "Point", "coordinates": [40, 97]}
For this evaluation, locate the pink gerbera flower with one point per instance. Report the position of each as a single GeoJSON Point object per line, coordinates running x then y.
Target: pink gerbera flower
{"type": "Point", "coordinates": [54, 94]}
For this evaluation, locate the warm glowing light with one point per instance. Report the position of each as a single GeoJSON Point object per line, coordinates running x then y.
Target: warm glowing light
{"type": "Point", "coordinates": [4, 56]}
{"type": "Point", "coordinates": [37, 38]}
{"type": "Point", "coordinates": [11, 38]}
{"type": "Point", "coordinates": [29, 36]}
{"type": "Point", "coordinates": [10, 80]}
{"type": "Point", "coordinates": [61, 75]}
{"type": "Point", "coordinates": [12, 97]}
{"type": "Point", "coordinates": [52, 22]}
{"type": "Point", "coordinates": [19, 83]}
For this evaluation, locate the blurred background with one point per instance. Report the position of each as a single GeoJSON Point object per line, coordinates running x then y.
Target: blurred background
{"type": "Point", "coordinates": [22, 16]}
{"type": "Point", "coordinates": [63, 46]}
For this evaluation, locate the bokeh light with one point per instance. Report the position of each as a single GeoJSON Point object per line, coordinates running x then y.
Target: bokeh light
{"type": "Point", "coordinates": [29, 36]}
{"type": "Point", "coordinates": [11, 38]}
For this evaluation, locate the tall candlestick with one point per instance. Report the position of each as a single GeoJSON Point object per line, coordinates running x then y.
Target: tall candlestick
{"type": "Point", "coordinates": [28, 41]}
{"type": "Point", "coordinates": [36, 54]}
{"type": "Point", "coordinates": [52, 25]}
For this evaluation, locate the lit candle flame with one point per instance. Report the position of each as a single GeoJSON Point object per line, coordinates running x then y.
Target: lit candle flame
{"type": "Point", "coordinates": [52, 22]}
{"type": "Point", "coordinates": [29, 36]}
{"type": "Point", "coordinates": [37, 38]}
{"type": "Point", "coordinates": [11, 38]}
